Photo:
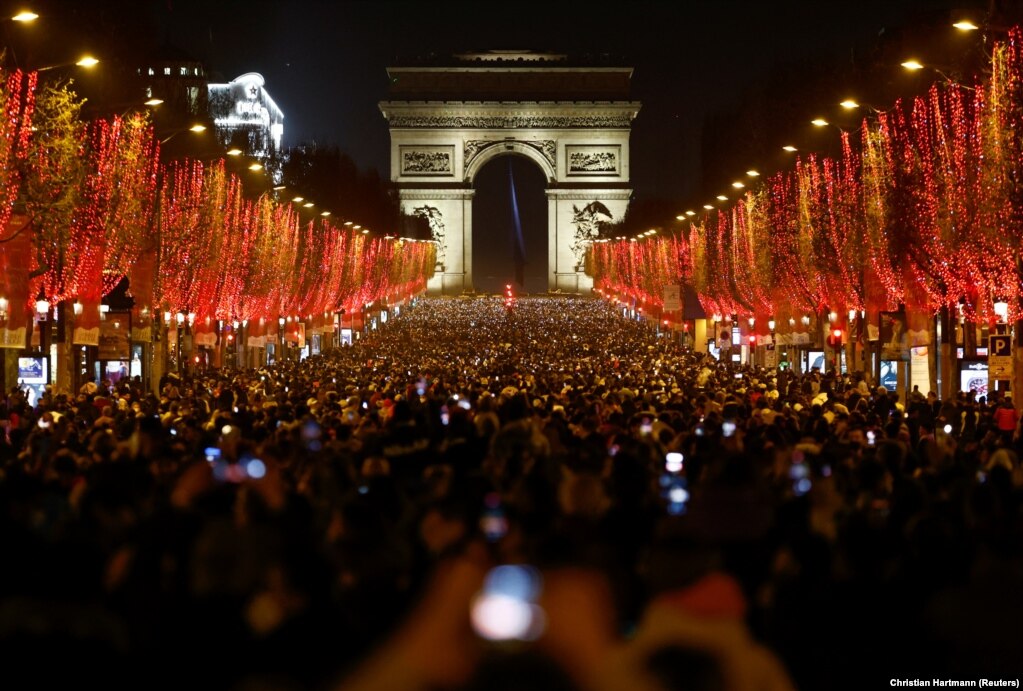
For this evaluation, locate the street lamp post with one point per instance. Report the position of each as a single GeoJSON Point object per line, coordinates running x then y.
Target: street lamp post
{"type": "Point", "coordinates": [733, 333]}
{"type": "Point", "coordinates": [180, 319]}
{"type": "Point", "coordinates": [716, 319]}
{"type": "Point", "coordinates": [281, 321]}
{"type": "Point", "coordinates": [190, 334]}
{"type": "Point", "coordinates": [789, 340]}
{"type": "Point", "coordinates": [836, 347]}
{"type": "Point", "coordinates": [751, 360]}
{"type": "Point", "coordinates": [852, 335]}
{"type": "Point", "coordinates": [806, 327]}
{"type": "Point", "coordinates": [43, 319]}
{"type": "Point", "coordinates": [162, 356]}
{"type": "Point", "coordinates": [240, 346]}
{"type": "Point", "coordinates": [67, 350]}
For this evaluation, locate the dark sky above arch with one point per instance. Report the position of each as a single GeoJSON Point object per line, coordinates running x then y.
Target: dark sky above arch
{"type": "Point", "coordinates": [324, 62]}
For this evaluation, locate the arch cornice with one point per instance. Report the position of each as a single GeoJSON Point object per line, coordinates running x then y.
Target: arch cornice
{"type": "Point", "coordinates": [427, 194]}
{"type": "Point", "coordinates": [589, 194]}
{"type": "Point", "coordinates": [510, 115]}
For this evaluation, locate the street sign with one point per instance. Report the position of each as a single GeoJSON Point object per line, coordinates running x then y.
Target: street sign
{"type": "Point", "coordinates": [999, 359]}
{"type": "Point", "coordinates": [672, 298]}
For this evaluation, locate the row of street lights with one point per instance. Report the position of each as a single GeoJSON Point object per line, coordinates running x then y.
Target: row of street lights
{"type": "Point", "coordinates": [911, 65]}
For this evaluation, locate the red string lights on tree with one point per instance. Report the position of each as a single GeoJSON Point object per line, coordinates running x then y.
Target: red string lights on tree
{"type": "Point", "coordinates": [99, 207]}
{"type": "Point", "coordinates": [927, 212]}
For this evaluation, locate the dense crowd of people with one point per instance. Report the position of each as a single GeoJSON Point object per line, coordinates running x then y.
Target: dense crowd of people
{"type": "Point", "coordinates": [477, 496]}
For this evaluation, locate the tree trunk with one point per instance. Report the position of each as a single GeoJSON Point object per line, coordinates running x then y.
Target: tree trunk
{"type": "Point", "coordinates": [947, 352]}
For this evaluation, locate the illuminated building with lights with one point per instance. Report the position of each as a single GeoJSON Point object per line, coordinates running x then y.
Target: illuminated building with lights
{"type": "Point", "coordinates": [179, 81]}
{"type": "Point", "coordinates": [245, 116]}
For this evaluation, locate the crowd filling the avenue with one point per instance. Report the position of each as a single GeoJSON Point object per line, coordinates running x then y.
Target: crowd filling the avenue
{"type": "Point", "coordinates": [478, 496]}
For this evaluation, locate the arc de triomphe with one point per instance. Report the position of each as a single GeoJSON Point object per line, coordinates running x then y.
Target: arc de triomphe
{"type": "Point", "coordinates": [571, 119]}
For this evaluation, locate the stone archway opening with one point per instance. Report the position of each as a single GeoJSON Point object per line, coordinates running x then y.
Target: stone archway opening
{"type": "Point", "coordinates": [510, 233]}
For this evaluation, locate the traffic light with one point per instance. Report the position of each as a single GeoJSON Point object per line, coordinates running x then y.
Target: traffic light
{"type": "Point", "coordinates": [835, 339]}
{"type": "Point", "coordinates": [752, 341]}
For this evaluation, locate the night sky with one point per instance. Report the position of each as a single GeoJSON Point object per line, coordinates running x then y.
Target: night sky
{"type": "Point", "coordinates": [324, 62]}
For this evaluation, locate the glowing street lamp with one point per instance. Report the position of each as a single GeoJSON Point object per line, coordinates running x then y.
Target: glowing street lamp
{"type": "Point", "coordinates": [197, 128]}
{"type": "Point", "coordinates": [789, 148]}
{"type": "Point", "coordinates": [1002, 311]}
{"type": "Point", "coordinates": [965, 25]}
{"type": "Point", "coordinates": [25, 17]}
{"type": "Point", "coordinates": [912, 65]}
{"type": "Point", "coordinates": [43, 316]}
{"type": "Point", "coordinates": [819, 122]}
{"type": "Point", "coordinates": [86, 61]}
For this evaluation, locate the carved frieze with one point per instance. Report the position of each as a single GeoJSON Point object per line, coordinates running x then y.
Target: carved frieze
{"type": "Point", "coordinates": [427, 160]}
{"type": "Point", "coordinates": [593, 160]}
{"type": "Point", "coordinates": [512, 121]}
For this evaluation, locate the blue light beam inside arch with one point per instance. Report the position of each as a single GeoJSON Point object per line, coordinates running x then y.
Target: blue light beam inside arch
{"type": "Point", "coordinates": [520, 242]}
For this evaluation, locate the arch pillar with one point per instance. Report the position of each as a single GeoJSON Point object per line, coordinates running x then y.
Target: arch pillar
{"type": "Point", "coordinates": [574, 219]}
{"type": "Point", "coordinates": [449, 213]}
